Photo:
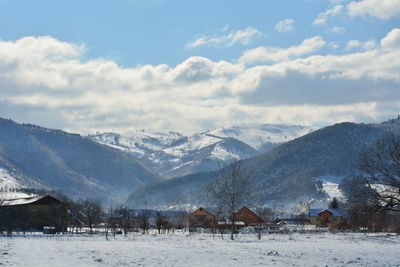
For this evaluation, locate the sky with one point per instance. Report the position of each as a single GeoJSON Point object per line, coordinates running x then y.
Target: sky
{"type": "Point", "coordinates": [190, 66]}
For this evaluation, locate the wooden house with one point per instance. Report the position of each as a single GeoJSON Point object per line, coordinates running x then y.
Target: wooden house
{"type": "Point", "coordinates": [248, 217]}
{"type": "Point", "coordinates": [331, 218]}
{"type": "Point", "coordinates": [202, 218]}
{"type": "Point", "coordinates": [34, 213]}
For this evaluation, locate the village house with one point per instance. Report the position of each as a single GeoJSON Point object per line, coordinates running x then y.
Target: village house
{"type": "Point", "coordinates": [202, 218]}
{"type": "Point", "coordinates": [248, 217]}
{"type": "Point", "coordinates": [38, 212]}
{"type": "Point", "coordinates": [331, 218]}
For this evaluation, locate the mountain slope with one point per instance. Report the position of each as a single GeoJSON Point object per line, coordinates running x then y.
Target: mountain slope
{"type": "Point", "coordinates": [173, 154]}
{"type": "Point", "coordinates": [261, 135]}
{"type": "Point", "coordinates": [53, 159]}
{"type": "Point", "coordinates": [289, 172]}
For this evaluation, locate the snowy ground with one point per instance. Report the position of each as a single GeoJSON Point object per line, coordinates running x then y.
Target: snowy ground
{"type": "Point", "coordinates": [202, 250]}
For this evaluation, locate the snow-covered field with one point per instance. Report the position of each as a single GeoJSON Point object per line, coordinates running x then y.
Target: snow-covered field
{"type": "Point", "coordinates": [202, 250]}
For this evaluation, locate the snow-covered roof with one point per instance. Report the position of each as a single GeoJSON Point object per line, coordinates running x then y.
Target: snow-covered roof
{"type": "Point", "coordinates": [335, 212]}
{"type": "Point", "coordinates": [25, 201]}
{"type": "Point", "coordinates": [227, 222]}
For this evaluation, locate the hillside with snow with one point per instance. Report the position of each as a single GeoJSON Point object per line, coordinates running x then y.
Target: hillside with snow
{"type": "Point", "coordinates": [173, 154]}
{"type": "Point", "coordinates": [33, 157]}
{"type": "Point", "coordinates": [260, 135]}
{"type": "Point", "coordinates": [308, 167]}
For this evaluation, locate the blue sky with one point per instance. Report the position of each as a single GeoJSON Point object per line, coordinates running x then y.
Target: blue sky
{"type": "Point", "coordinates": [192, 65]}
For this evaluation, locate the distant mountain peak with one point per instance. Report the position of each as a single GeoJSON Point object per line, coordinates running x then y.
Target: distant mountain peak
{"type": "Point", "coordinates": [174, 154]}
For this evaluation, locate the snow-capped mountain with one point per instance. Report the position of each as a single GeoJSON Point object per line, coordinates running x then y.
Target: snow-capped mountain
{"type": "Point", "coordinates": [308, 167]}
{"type": "Point", "coordinates": [174, 154]}
{"type": "Point", "coordinates": [257, 135]}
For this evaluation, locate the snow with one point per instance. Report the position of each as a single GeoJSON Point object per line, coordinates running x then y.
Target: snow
{"type": "Point", "coordinates": [332, 189]}
{"type": "Point", "coordinates": [174, 154]}
{"type": "Point", "coordinates": [21, 201]}
{"type": "Point", "coordinates": [330, 184]}
{"type": "Point", "coordinates": [194, 142]}
{"type": "Point", "coordinates": [256, 135]}
{"type": "Point", "coordinates": [173, 151]}
{"type": "Point", "coordinates": [141, 142]}
{"type": "Point", "coordinates": [138, 142]}
{"type": "Point", "coordinates": [7, 181]}
{"type": "Point", "coordinates": [323, 249]}
{"type": "Point", "coordinates": [9, 186]}
{"type": "Point", "coordinates": [220, 153]}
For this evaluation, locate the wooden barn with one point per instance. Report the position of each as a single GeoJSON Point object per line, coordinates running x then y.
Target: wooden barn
{"type": "Point", "coordinates": [248, 217]}
{"type": "Point", "coordinates": [202, 218]}
{"type": "Point", "coordinates": [33, 213]}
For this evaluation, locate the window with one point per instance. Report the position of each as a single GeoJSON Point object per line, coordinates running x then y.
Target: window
{"type": "Point", "coordinates": [318, 219]}
{"type": "Point", "coordinates": [334, 219]}
{"type": "Point", "coordinates": [200, 218]}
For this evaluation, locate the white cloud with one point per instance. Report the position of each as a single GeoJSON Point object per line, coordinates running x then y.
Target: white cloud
{"type": "Point", "coordinates": [383, 9]}
{"type": "Point", "coordinates": [334, 45]}
{"type": "Point", "coordinates": [324, 16]}
{"type": "Point", "coordinates": [352, 44]}
{"type": "Point", "coordinates": [338, 29]}
{"type": "Point", "coordinates": [391, 40]}
{"type": "Point", "coordinates": [42, 77]}
{"type": "Point", "coordinates": [272, 54]}
{"type": "Point", "coordinates": [367, 45]}
{"type": "Point", "coordinates": [285, 25]}
{"type": "Point", "coordinates": [243, 37]}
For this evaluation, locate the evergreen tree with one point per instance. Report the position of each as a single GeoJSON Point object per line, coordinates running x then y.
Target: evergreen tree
{"type": "Point", "coordinates": [334, 204]}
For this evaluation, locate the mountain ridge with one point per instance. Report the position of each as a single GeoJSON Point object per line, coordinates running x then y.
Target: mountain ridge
{"type": "Point", "coordinates": [69, 163]}
{"type": "Point", "coordinates": [173, 154]}
{"type": "Point", "coordinates": [293, 171]}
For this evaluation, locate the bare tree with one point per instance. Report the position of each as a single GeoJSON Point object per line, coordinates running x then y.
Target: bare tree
{"type": "Point", "coordinates": [144, 220]}
{"type": "Point", "coordinates": [379, 172]}
{"type": "Point", "coordinates": [124, 219]}
{"type": "Point", "coordinates": [111, 222]}
{"type": "Point", "coordinates": [233, 187]}
{"type": "Point", "coordinates": [159, 221]}
{"type": "Point", "coordinates": [76, 216]}
{"type": "Point", "coordinates": [373, 194]}
{"type": "Point", "coordinates": [362, 208]}
{"type": "Point", "coordinates": [92, 213]}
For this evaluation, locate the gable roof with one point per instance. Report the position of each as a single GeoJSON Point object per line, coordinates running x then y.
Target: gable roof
{"type": "Point", "coordinates": [244, 208]}
{"type": "Point", "coordinates": [38, 200]}
{"type": "Point", "coordinates": [202, 210]}
{"type": "Point", "coordinates": [335, 212]}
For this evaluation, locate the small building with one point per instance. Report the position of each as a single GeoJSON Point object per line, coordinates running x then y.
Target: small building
{"type": "Point", "coordinates": [331, 218]}
{"type": "Point", "coordinates": [201, 218]}
{"type": "Point", "coordinates": [35, 212]}
{"type": "Point", "coordinates": [248, 217]}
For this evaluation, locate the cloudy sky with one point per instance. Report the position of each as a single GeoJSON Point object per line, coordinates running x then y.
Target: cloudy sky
{"type": "Point", "coordinates": [183, 65]}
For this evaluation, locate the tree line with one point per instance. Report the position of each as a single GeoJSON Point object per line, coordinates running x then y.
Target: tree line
{"type": "Point", "coordinates": [84, 216]}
